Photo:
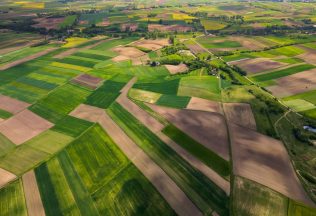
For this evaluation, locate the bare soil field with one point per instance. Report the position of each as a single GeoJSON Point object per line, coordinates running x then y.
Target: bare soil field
{"type": "Point", "coordinates": [241, 114]}
{"type": "Point", "coordinates": [141, 60]}
{"type": "Point", "coordinates": [294, 84]}
{"type": "Point", "coordinates": [87, 112]}
{"type": "Point", "coordinates": [196, 49]}
{"type": "Point", "coordinates": [26, 59]}
{"type": "Point", "coordinates": [265, 160]}
{"type": "Point", "coordinates": [168, 28]}
{"type": "Point", "coordinates": [309, 56]}
{"type": "Point", "coordinates": [204, 105]}
{"type": "Point", "coordinates": [161, 181]}
{"type": "Point", "coordinates": [175, 69]}
{"type": "Point", "coordinates": [130, 52]}
{"type": "Point", "coordinates": [6, 177]}
{"type": "Point", "coordinates": [207, 128]}
{"type": "Point", "coordinates": [24, 126]}
{"type": "Point", "coordinates": [87, 81]}
{"type": "Point", "coordinates": [258, 65]}
{"type": "Point", "coordinates": [249, 43]}
{"type": "Point", "coordinates": [151, 44]}
{"type": "Point", "coordinates": [120, 58]}
{"type": "Point", "coordinates": [32, 196]}
{"type": "Point", "coordinates": [12, 105]}
{"type": "Point", "coordinates": [48, 23]}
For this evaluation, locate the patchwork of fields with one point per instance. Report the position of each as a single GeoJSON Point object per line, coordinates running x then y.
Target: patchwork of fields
{"type": "Point", "coordinates": [180, 123]}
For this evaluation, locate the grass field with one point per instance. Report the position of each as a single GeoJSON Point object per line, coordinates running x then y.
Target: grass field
{"type": "Point", "coordinates": [60, 102]}
{"type": "Point", "coordinates": [173, 101]}
{"type": "Point", "coordinates": [74, 41]}
{"type": "Point", "coordinates": [210, 43]}
{"type": "Point", "coordinates": [68, 22]}
{"type": "Point", "coordinates": [12, 200]}
{"type": "Point", "coordinates": [145, 96]}
{"type": "Point", "coordinates": [22, 158]}
{"type": "Point", "coordinates": [206, 87]}
{"type": "Point", "coordinates": [159, 86]}
{"type": "Point", "coordinates": [106, 94]}
{"type": "Point", "coordinates": [5, 145]}
{"type": "Point", "coordinates": [191, 180]}
{"type": "Point", "coordinates": [204, 154]}
{"type": "Point", "coordinates": [251, 198]}
{"type": "Point", "coordinates": [4, 114]}
{"type": "Point", "coordinates": [282, 73]}
{"type": "Point", "coordinates": [212, 25]}
{"type": "Point", "coordinates": [71, 126]}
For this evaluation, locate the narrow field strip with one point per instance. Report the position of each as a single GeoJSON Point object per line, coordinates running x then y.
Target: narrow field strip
{"type": "Point", "coordinates": [210, 199]}
{"type": "Point", "coordinates": [162, 182]}
{"type": "Point", "coordinates": [26, 59]}
{"type": "Point", "coordinates": [32, 196]}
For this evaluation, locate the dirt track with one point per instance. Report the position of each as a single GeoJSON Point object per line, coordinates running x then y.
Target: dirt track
{"type": "Point", "coordinates": [24, 126]}
{"type": "Point", "coordinates": [6, 177]}
{"type": "Point", "coordinates": [32, 196]}
{"type": "Point", "coordinates": [241, 114]}
{"type": "Point", "coordinates": [26, 59]}
{"type": "Point", "coordinates": [266, 161]}
{"type": "Point", "coordinates": [12, 105]}
{"type": "Point", "coordinates": [162, 182]}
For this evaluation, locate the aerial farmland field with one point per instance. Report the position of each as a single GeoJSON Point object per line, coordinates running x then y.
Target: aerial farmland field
{"type": "Point", "coordinates": [157, 108]}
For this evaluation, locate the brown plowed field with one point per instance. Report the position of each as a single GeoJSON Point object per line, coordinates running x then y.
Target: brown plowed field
{"type": "Point", "coordinates": [87, 81]}
{"type": "Point", "coordinates": [258, 65]}
{"type": "Point", "coordinates": [204, 105]}
{"type": "Point", "coordinates": [32, 196]}
{"type": "Point", "coordinates": [6, 177]}
{"type": "Point", "coordinates": [174, 69]}
{"type": "Point", "coordinates": [12, 105]}
{"type": "Point", "coordinates": [24, 126]}
{"type": "Point", "coordinates": [207, 128]}
{"type": "Point", "coordinates": [294, 84]}
{"type": "Point", "coordinates": [266, 161]}
{"type": "Point", "coordinates": [241, 114]}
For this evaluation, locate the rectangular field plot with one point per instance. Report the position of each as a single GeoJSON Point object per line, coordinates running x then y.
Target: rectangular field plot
{"type": "Point", "coordinates": [60, 102]}
{"type": "Point", "coordinates": [299, 105]}
{"type": "Point", "coordinates": [22, 159]}
{"type": "Point", "coordinates": [71, 126]}
{"type": "Point", "coordinates": [102, 159]}
{"type": "Point", "coordinates": [142, 95]}
{"type": "Point", "coordinates": [106, 94]}
{"type": "Point", "coordinates": [5, 145]}
{"type": "Point", "coordinates": [173, 101]}
{"type": "Point", "coordinates": [159, 86]}
{"type": "Point", "coordinates": [282, 73]}
{"type": "Point", "coordinates": [190, 180]}
{"type": "Point", "coordinates": [78, 62]}
{"type": "Point", "coordinates": [49, 142]}
{"type": "Point", "coordinates": [70, 66]}
{"type": "Point", "coordinates": [12, 200]}
{"type": "Point", "coordinates": [92, 56]}
{"type": "Point", "coordinates": [56, 195]}
{"type": "Point", "coordinates": [206, 87]}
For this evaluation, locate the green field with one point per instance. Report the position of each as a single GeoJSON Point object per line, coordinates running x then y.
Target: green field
{"type": "Point", "coordinates": [106, 94]}
{"type": "Point", "coordinates": [206, 87]}
{"type": "Point", "coordinates": [12, 200]}
{"type": "Point", "coordinates": [191, 180]}
{"type": "Point", "coordinates": [60, 102]}
{"type": "Point", "coordinates": [282, 73]}
{"type": "Point", "coordinates": [5, 145]}
{"type": "Point", "coordinates": [173, 101]}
